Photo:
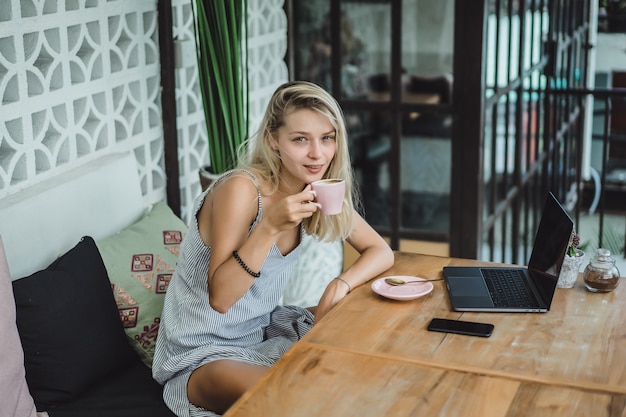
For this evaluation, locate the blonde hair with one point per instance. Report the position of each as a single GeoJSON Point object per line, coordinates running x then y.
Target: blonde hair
{"type": "Point", "coordinates": [259, 156]}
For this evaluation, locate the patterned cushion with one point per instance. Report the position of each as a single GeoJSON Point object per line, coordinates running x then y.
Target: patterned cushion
{"type": "Point", "coordinates": [140, 261]}
{"type": "Point", "coordinates": [69, 327]}
{"type": "Point", "coordinates": [15, 400]}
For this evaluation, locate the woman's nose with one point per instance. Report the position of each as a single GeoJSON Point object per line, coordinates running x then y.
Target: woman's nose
{"type": "Point", "coordinates": [315, 150]}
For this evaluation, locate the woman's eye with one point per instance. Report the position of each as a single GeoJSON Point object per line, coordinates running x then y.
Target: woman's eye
{"type": "Point", "coordinates": [329, 137]}
{"type": "Point", "coordinates": [299, 139]}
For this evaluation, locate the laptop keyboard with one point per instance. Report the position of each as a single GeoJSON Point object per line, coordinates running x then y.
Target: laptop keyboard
{"type": "Point", "coordinates": [508, 288]}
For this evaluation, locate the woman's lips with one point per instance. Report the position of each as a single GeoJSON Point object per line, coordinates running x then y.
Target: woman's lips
{"type": "Point", "coordinates": [314, 169]}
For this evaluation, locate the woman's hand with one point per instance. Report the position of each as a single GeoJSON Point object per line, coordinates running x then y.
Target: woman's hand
{"type": "Point", "coordinates": [375, 257]}
{"type": "Point", "coordinates": [289, 212]}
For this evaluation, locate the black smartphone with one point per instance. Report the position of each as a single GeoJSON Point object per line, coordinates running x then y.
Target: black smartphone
{"type": "Point", "coordinates": [469, 328]}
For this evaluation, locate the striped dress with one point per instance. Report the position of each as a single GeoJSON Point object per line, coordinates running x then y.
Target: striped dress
{"type": "Point", "coordinates": [255, 330]}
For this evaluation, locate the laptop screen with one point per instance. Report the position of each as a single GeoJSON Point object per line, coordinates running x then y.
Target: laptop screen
{"type": "Point", "coordinates": [551, 241]}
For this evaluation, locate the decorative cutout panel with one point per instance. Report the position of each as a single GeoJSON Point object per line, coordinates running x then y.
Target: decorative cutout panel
{"type": "Point", "coordinates": [78, 79]}
{"type": "Point", "coordinates": [81, 78]}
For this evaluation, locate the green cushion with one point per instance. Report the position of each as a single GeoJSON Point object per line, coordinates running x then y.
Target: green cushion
{"type": "Point", "coordinates": [140, 261]}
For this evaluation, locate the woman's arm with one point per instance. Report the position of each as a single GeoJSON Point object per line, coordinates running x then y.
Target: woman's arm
{"type": "Point", "coordinates": [375, 258]}
{"type": "Point", "coordinates": [224, 219]}
{"type": "Point", "coordinates": [231, 207]}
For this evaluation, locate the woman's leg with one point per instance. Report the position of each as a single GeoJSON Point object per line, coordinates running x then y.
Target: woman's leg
{"type": "Point", "coordinates": [217, 385]}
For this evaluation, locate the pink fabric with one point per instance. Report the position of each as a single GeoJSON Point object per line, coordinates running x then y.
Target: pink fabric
{"type": "Point", "coordinates": [15, 399]}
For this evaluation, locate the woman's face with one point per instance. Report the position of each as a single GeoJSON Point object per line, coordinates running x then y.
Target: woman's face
{"type": "Point", "coordinates": [306, 143]}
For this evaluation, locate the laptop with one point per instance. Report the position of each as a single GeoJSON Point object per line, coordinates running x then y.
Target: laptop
{"type": "Point", "coordinates": [516, 289]}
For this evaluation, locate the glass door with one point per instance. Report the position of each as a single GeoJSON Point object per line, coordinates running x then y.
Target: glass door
{"type": "Point", "coordinates": [389, 63]}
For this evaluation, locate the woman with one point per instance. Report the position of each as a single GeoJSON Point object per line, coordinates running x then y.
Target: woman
{"type": "Point", "coordinates": [221, 327]}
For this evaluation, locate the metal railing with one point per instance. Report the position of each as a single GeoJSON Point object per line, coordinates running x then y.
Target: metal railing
{"type": "Point", "coordinates": [603, 192]}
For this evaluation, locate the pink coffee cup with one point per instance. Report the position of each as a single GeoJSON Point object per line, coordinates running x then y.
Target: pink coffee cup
{"type": "Point", "coordinates": [329, 195]}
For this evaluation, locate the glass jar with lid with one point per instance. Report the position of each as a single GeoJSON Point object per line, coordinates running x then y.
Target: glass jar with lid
{"type": "Point", "coordinates": [601, 275]}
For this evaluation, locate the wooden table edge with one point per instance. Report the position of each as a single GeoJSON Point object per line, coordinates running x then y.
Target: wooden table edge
{"type": "Point", "coordinates": [554, 381]}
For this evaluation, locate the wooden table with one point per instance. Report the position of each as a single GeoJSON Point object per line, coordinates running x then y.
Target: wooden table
{"type": "Point", "coordinates": [371, 356]}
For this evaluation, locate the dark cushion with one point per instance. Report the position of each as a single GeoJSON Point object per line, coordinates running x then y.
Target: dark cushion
{"type": "Point", "coordinates": [69, 326]}
{"type": "Point", "coordinates": [130, 393]}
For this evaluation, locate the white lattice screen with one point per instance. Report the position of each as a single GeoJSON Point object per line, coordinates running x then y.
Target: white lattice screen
{"type": "Point", "coordinates": [81, 78]}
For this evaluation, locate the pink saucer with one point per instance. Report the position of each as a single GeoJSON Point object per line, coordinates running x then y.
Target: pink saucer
{"type": "Point", "coordinates": [402, 292]}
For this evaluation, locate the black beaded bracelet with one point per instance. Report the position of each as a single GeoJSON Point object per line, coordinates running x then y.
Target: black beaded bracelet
{"type": "Point", "coordinates": [244, 266]}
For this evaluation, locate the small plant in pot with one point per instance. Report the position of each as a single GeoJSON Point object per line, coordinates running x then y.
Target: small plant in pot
{"type": "Point", "coordinates": [221, 42]}
{"type": "Point", "coordinates": [571, 263]}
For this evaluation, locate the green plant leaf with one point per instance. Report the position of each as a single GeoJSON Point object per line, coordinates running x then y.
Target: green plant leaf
{"type": "Point", "coordinates": [221, 43]}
